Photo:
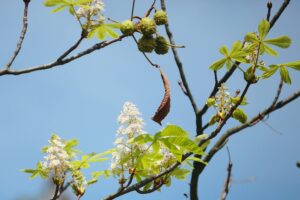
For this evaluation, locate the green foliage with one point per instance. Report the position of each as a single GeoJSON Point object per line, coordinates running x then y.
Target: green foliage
{"type": "Point", "coordinates": [237, 53]}
{"type": "Point", "coordinates": [60, 5]}
{"type": "Point", "coordinates": [103, 31]}
{"type": "Point", "coordinates": [240, 115]}
{"type": "Point", "coordinates": [44, 174]}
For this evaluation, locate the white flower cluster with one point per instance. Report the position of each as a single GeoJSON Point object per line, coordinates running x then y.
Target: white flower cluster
{"type": "Point", "coordinates": [131, 125]}
{"type": "Point", "coordinates": [95, 9]}
{"type": "Point", "coordinates": [57, 159]}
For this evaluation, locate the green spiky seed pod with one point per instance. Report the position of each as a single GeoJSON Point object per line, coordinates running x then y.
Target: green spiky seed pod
{"type": "Point", "coordinates": [162, 46]}
{"type": "Point", "coordinates": [160, 17]}
{"type": "Point", "coordinates": [146, 44]}
{"type": "Point", "coordinates": [127, 27]}
{"type": "Point", "coordinates": [147, 26]}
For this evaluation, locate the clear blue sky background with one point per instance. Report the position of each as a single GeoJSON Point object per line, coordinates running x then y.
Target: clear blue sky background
{"type": "Point", "coordinates": [82, 99]}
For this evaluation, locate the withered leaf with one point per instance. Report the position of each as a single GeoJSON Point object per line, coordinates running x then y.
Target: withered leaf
{"type": "Point", "coordinates": [165, 104]}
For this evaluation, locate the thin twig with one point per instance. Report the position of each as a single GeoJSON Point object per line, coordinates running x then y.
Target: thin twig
{"type": "Point", "coordinates": [22, 36]}
{"type": "Point", "coordinates": [72, 48]}
{"type": "Point", "coordinates": [216, 78]}
{"type": "Point", "coordinates": [61, 62]}
{"type": "Point", "coordinates": [145, 55]}
{"type": "Point", "coordinates": [227, 184]}
{"type": "Point", "coordinates": [55, 195]}
{"type": "Point", "coordinates": [132, 10]}
{"type": "Point", "coordinates": [178, 62]}
{"type": "Point", "coordinates": [279, 12]}
{"type": "Point", "coordinates": [269, 6]}
{"type": "Point", "coordinates": [156, 187]}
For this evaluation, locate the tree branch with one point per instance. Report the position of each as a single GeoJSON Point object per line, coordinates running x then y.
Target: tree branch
{"type": "Point", "coordinates": [178, 62]}
{"type": "Point", "coordinates": [227, 184]}
{"type": "Point", "coordinates": [63, 61]}
{"type": "Point", "coordinates": [22, 36]}
{"type": "Point", "coordinates": [223, 139]}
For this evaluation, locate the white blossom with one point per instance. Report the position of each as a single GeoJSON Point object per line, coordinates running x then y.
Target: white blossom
{"type": "Point", "coordinates": [95, 9]}
{"type": "Point", "coordinates": [57, 159]}
{"type": "Point", "coordinates": [131, 125]}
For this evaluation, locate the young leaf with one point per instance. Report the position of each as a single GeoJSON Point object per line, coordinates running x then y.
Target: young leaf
{"type": "Point", "coordinates": [284, 73]}
{"type": "Point", "coordinates": [263, 28]}
{"type": "Point", "coordinates": [295, 65]}
{"type": "Point", "coordinates": [223, 50]}
{"type": "Point", "coordinates": [218, 64]}
{"type": "Point", "coordinates": [270, 51]}
{"type": "Point", "coordinates": [270, 71]}
{"type": "Point", "coordinates": [282, 41]}
{"type": "Point", "coordinates": [251, 37]}
{"type": "Point", "coordinates": [51, 3]}
{"type": "Point", "coordinates": [210, 102]}
{"type": "Point", "coordinates": [240, 115]}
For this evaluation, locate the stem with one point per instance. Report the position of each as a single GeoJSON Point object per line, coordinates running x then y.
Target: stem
{"type": "Point", "coordinates": [22, 36]}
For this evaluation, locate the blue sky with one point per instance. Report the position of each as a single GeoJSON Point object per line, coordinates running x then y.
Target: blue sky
{"type": "Point", "coordinates": [83, 99]}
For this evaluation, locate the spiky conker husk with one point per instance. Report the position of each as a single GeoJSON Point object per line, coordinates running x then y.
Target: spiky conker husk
{"type": "Point", "coordinates": [127, 27]}
{"type": "Point", "coordinates": [160, 17]}
{"type": "Point", "coordinates": [146, 44]}
{"type": "Point", "coordinates": [147, 26]}
{"type": "Point", "coordinates": [162, 46]}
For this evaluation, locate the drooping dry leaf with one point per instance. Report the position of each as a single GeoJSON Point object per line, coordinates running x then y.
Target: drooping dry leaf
{"type": "Point", "coordinates": [165, 104]}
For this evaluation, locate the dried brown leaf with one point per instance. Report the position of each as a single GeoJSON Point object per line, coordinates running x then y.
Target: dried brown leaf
{"type": "Point", "coordinates": [165, 104]}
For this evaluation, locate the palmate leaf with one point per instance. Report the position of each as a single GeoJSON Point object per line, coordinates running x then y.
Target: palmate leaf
{"type": "Point", "coordinates": [103, 30]}
{"type": "Point", "coordinates": [218, 64]}
{"type": "Point", "coordinates": [60, 5]}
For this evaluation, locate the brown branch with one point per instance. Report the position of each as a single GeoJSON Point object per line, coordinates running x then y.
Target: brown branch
{"type": "Point", "coordinates": [178, 62]}
{"type": "Point", "coordinates": [279, 12]}
{"type": "Point", "coordinates": [72, 48]}
{"type": "Point", "coordinates": [227, 184]}
{"type": "Point", "coordinates": [61, 62]}
{"type": "Point", "coordinates": [22, 36]}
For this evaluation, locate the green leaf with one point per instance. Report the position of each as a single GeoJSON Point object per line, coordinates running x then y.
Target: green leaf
{"type": "Point", "coordinates": [251, 37]}
{"type": "Point", "coordinates": [197, 160]}
{"type": "Point", "coordinates": [284, 73]}
{"type": "Point", "coordinates": [218, 64]}
{"type": "Point", "coordinates": [295, 65]}
{"type": "Point", "coordinates": [83, 2]}
{"type": "Point", "coordinates": [59, 8]}
{"type": "Point", "coordinates": [270, 71]}
{"type": "Point", "coordinates": [263, 28]}
{"type": "Point", "coordinates": [172, 130]}
{"type": "Point", "coordinates": [114, 25]}
{"type": "Point", "coordinates": [236, 47]}
{"type": "Point", "coordinates": [240, 115]}
{"type": "Point", "coordinates": [270, 51]}
{"type": "Point", "coordinates": [142, 139]}
{"type": "Point", "coordinates": [51, 3]}
{"type": "Point", "coordinates": [228, 63]}
{"type": "Point", "coordinates": [180, 174]}
{"type": "Point", "coordinates": [282, 41]}
{"type": "Point", "coordinates": [213, 120]}
{"type": "Point", "coordinates": [223, 50]}
{"type": "Point", "coordinates": [235, 100]}
{"type": "Point", "coordinates": [210, 102]}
